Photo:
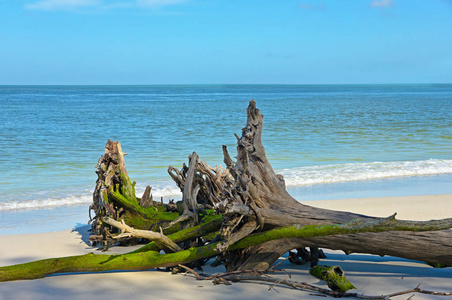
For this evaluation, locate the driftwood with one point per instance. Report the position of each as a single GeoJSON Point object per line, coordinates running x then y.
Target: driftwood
{"type": "Point", "coordinates": [237, 276]}
{"type": "Point", "coordinates": [312, 288]}
{"type": "Point", "coordinates": [264, 199]}
{"type": "Point", "coordinates": [242, 215]}
{"type": "Point", "coordinates": [159, 238]}
{"type": "Point", "coordinates": [148, 257]}
{"type": "Point", "coordinates": [114, 196]}
{"type": "Point", "coordinates": [334, 276]}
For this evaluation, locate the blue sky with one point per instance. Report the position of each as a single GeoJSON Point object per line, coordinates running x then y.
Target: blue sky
{"type": "Point", "coordinates": [225, 41]}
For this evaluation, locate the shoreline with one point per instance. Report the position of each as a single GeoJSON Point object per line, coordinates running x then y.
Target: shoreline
{"type": "Point", "coordinates": [57, 218]}
{"type": "Point", "coordinates": [372, 275]}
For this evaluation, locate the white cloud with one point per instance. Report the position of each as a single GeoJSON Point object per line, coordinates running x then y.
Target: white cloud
{"type": "Point", "coordinates": [62, 4]}
{"type": "Point", "coordinates": [381, 3]}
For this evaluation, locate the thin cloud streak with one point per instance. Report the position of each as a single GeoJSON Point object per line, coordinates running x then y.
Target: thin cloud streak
{"type": "Point", "coordinates": [58, 5]}
{"type": "Point", "coordinates": [381, 3]}
{"type": "Point", "coordinates": [158, 3]}
{"type": "Point", "coordinates": [308, 6]}
{"type": "Point", "coordinates": [62, 4]}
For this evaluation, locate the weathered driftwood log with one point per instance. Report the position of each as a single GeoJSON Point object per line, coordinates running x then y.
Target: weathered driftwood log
{"type": "Point", "coordinates": [253, 198]}
{"type": "Point", "coordinates": [147, 258]}
{"type": "Point", "coordinates": [270, 203]}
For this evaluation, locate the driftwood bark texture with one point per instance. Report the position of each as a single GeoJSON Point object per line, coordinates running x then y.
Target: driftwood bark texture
{"type": "Point", "coordinates": [259, 199]}
{"type": "Point", "coordinates": [242, 215]}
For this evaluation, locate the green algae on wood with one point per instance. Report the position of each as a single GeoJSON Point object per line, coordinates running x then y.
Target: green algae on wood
{"type": "Point", "coordinates": [114, 196]}
{"type": "Point", "coordinates": [210, 225]}
{"type": "Point", "coordinates": [147, 259]}
{"type": "Point", "coordinates": [334, 276]}
{"type": "Point", "coordinates": [354, 226]}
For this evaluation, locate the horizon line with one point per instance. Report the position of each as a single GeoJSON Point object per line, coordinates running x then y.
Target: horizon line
{"type": "Point", "coordinates": [225, 84]}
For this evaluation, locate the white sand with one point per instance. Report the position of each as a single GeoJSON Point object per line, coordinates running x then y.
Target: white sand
{"type": "Point", "coordinates": [373, 275]}
{"type": "Point", "coordinates": [421, 208]}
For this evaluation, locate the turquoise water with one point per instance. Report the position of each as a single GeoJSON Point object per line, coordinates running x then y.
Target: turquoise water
{"type": "Point", "coordinates": [329, 141]}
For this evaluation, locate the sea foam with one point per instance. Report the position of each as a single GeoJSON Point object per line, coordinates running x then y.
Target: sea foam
{"type": "Point", "coordinates": [165, 190]}
{"type": "Point", "coordinates": [300, 176]}
{"type": "Point", "coordinates": [322, 174]}
{"type": "Point", "coordinates": [45, 203]}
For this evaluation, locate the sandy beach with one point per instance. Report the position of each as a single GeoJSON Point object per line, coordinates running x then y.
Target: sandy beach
{"type": "Point", "coordinates": [372, 275]}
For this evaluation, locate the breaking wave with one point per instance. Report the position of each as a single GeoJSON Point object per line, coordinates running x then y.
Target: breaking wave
{"type": "Point", "coordinates": [321, 174]}
{"type": "Point", "coordinates": [309, 175]}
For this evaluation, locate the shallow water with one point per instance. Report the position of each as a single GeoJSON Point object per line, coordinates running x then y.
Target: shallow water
{"type": "Point", "coordinates": [329, 141]}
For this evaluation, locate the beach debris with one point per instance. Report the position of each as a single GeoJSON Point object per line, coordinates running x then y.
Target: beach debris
{"type": "Point", "coordinates": [251, 198]}
{"type": "Point", "coordinates": [228, 278]}
{"type": "Point", "coordinates": [334, 276]}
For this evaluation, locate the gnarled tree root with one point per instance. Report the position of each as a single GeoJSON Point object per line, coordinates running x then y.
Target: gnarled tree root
{"type": "Point", "coordinates": [145, 260]}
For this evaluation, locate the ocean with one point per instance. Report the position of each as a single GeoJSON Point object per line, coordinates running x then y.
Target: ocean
{"type": "Point", "coordinates": [329, 141]}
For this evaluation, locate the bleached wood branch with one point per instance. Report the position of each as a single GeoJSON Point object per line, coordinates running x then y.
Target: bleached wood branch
{"type": "Point", "coordinates": [159, 238]}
